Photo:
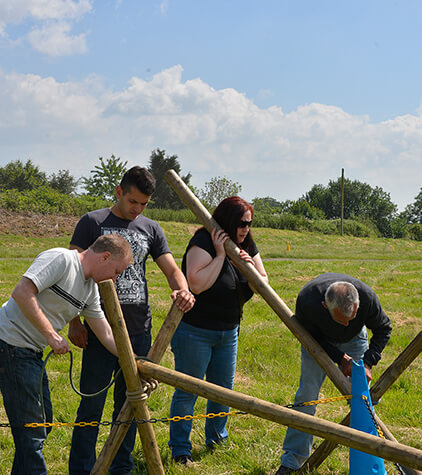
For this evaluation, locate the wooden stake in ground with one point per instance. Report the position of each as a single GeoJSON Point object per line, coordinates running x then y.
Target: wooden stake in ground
{"type": "Point", "coordinates": [118, 432]}
{"type": "Point", "coordinates": [130, 372]}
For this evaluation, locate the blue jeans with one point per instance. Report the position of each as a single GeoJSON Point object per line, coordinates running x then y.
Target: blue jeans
{"type": "Point", "coordinates": [297, 445]}
{"type": "Point", "coordinates": [98, 366]}
{"type": "Point", "coordinates": [20, 373]}
{"type": "Point", "coordinates": [199, 352]}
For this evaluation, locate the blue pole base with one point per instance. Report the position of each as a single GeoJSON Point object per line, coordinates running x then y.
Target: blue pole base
{"type": "Point", "coordinates": [361, 463]}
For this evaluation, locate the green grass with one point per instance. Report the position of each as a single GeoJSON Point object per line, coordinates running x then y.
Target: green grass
{"type": "Point", "coordinates": [269, 356]}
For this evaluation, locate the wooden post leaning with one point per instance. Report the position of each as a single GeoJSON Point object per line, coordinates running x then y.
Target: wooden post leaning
{"type": "Point", "coordinates": [356, 439]}
{"type": "Point", "coordinates": [390, 375]}
{"type": "Point", "coordinates": [130, 372]}
{"type": "Point", "coordinates": [260, 286]}
{"type": "Point", "coordinates": [118, 432]}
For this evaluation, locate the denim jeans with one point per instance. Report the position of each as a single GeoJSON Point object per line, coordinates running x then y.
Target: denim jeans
{"type": "Point", "coordinates": [20, 373]}
{"type": "Point", "coordinates": [98, 366]}
{"type": "Point", "coordinates": [199, 352]}
{"type": "Point", "coordinates": [297, 445]}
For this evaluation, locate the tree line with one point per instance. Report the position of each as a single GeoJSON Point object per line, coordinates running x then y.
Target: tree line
{"type": "Point", "coordinates": [370, 207]}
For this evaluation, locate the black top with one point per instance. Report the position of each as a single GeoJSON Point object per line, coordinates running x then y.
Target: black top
{"type": "Point", "coordinates": [145, 237]}
{"type": "Point", "coordinates": [220, 306]}
{"type": "Point", "coordinates": [317, 320]}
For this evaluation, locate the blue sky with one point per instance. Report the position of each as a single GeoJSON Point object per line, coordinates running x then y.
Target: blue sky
{"type": "Point", "coordinates": [275, 95]}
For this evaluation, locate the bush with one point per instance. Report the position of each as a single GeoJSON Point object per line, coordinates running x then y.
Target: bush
{"type": "Point", "coordinates": [85, 203]}
{"type": "Point", "coordinates": [46, 200]}
{"type": "Point", "coordinates": [325, 226]}
{"type": "Point", "coordinates": [415, 231]}
{"type": "Point", "coordinates": [178, 215]}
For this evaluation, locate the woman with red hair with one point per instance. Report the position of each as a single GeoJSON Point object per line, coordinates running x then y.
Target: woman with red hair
{"type": "Point", "coordinates": [205, 342]}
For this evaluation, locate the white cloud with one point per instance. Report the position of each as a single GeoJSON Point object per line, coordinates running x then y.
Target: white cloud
{"type": "Point", "coordinates": [214, 132]}
{"type": "Point", "coordinates": [15, 11]}
{"type": "Point", "coordinates": [59, 9]}
{"type": "Point", "coordinates": [55, 40]}
{"type": "Point", "coordinates": [50, 21]}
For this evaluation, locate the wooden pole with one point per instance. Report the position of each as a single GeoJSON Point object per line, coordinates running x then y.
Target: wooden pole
{"type": "Point", "coordinates": [399, 365]}
{"type": "Point", "coordinates": [342, 203]}
{"type": "Point", "coordinates": [130, 372]}
{"type": "Point", "coordinates": [391, 374]}
{"type": "Point", "coordinates": [260, 286]}
{"type": "Point", "coordinates": [118, 432]}
{"type": "Point", "coordinates": [362, 441]}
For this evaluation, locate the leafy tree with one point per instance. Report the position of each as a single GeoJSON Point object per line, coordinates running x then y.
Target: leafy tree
{"type": "Point", "coordinates": [63, 182]}
{"type": "Point", "coordinates": [164, 196]}
{"type": "Point", "coordinates": [360, 201]}
{"type": "Point", "coordinates": [302, 207]}
{"type": "Point", "coordinates": [413, 212]}
{"type": "Point", "coordinates": [266, 205]}
{"type": "Point", "coordinates": [19, 176]}
{"type": "Point", "coordinates": [105, 177]}
{"type": "Point", "coordinates": [217, 189]}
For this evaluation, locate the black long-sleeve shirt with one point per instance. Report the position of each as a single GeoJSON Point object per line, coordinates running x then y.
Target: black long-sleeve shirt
{"type": "Point", "coordinates": [317, 320]}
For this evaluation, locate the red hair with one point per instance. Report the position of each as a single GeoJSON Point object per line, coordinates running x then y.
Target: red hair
{"type": "Point", "coordinates": [228, 215]}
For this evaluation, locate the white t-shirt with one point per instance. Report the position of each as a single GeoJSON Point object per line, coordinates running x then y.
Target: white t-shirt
{"type": "Point", "coordinates": [63, 294]}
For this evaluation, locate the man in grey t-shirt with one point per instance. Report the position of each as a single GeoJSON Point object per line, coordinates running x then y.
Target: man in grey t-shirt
{"type": "Point", "coordinates": [146, 239]}
{"type": "Point", "coordinates": [59, 285]}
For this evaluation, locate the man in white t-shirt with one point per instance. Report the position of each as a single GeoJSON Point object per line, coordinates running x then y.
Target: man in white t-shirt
{"type": "Point", "coordinates": [59, 285]}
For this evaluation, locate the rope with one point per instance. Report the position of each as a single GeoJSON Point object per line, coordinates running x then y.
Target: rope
{"type": "Point", "coordinates": [79, 393]}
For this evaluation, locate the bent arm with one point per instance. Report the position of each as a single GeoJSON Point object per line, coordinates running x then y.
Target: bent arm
{"type": "Point", "coordinates": [24, 295]}
{"type": "Point", "coordinates": [259, 266]}
{"type": "Point", "coordinates": [202, 270]}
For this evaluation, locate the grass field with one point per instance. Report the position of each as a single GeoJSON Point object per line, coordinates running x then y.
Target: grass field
{"type": "Point", "coordinates": [269, 356]}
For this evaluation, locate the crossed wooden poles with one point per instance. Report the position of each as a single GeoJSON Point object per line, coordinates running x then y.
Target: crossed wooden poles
{"type": "Point", "coordinates": [334, 434]}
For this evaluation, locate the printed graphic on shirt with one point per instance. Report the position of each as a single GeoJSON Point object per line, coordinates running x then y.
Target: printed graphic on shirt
{"type": "Point", "coordinates": [130, 284]}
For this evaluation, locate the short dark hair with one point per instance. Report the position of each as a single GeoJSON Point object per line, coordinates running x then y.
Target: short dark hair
{"type": "Point", "coordinates": [228, 215]}
{"type": "Point", "coordinates": [139, 177]}
{"type": "Point", "coordinates": [113, 243]}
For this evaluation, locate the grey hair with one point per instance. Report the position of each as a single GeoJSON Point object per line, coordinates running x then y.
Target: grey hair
{"type": "Point", "coordinates": [343, 296]}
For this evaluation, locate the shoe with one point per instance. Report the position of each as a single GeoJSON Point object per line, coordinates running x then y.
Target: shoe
{"type": "Point", "coordinates": [282, 469]}
{"type": "Point", "coordinates": [183, 459]}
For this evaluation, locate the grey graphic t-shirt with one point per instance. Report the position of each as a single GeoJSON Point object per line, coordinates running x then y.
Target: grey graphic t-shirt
{"type": "Point", "coordinates": [146, 238]}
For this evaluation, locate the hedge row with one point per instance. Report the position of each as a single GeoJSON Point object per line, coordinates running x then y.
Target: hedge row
{"type": "Point", "coordinates": [46, 200]}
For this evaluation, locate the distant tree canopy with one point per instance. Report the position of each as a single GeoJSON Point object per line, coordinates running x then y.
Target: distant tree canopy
{"type": "Point", "coordinates": [164, 196]}
{"type": "Point", "coordinates": [105, 177]}
{"type": "Point", "coordinates": [267, 205]}
{"type": "Point", "coordinates": [20, 176]}
{"type": "Point", "coordinates": [217, 189]}
{"type": "Point", "coordinates": [299, 207]}
{"type": "Point", "coordinates": [63, 182]}
{"type": "Point", "coordinates": [413, 212]}
{"type": "Point", "coordinates": [360, 201]}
